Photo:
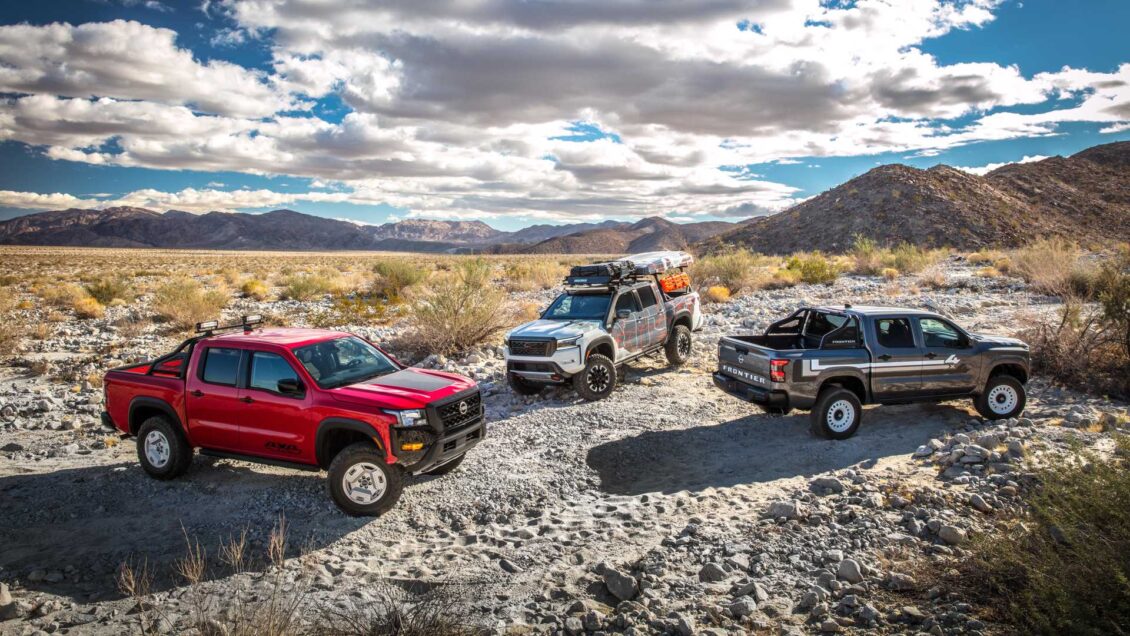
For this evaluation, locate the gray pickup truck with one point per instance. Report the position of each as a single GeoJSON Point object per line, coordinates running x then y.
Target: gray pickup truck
{"type": "Point", "coordinates": [833, 360]}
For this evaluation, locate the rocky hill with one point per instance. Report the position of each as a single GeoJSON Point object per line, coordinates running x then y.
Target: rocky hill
{"type": "Point", "coordinates": [652, 233]}
{"type": "Point", "coordinates": [1085, 197]}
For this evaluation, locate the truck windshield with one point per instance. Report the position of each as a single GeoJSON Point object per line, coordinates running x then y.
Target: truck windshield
{"type": "Point", "coordinates": [348, 360]}
{"type": "Point", "coordinates": [579, 307]}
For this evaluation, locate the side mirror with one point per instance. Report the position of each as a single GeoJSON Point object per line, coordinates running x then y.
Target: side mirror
{"type": "Point", "coordinates": [623, 314]}
{"type": "Point", "coordinates": [290, 386]}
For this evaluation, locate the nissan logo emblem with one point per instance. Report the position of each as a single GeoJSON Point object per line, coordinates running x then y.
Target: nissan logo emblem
{"type": "Point", "coordinates": [741, 359]}
{"type": "Point", "coordinates": [463, 407]}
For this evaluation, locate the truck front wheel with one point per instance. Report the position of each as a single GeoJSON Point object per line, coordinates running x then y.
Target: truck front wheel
{"type": "Point", "coordinates": [162, 449]}
{"type": "Point", "coordinates": [836, 414]}
{"type": "Point", "coordinates": [678, 348]}
{"type": "Point", "coordinates": [361, 483]}
{"type": "Point", "coordinates": [1002, 398]}
{"type": "Point", "coordinates": [597, 379]}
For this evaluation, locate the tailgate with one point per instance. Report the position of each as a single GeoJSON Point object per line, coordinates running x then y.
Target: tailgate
{"type": "Point", "coordinates": [744, 361]}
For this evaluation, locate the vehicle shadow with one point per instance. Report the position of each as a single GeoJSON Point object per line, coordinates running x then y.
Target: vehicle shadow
{"type": "Point", "coordinates": [760, 448]}
{"type": "Point", "coordinates": [71, 530]}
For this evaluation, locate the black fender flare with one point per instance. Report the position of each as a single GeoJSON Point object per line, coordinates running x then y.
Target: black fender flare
{"type": "Point", "coordinates": [603, 339]}
{"type": "Point", "coordinates": [331, 424]}
{"type": "Point", "coordinates": [834, 375]}
{"type": "Point", "coordinates": [147, 402]}
{"type": "Point", "coordinates": [1007, 360]}
{"type": "Point", "coordinates": [680, 315]}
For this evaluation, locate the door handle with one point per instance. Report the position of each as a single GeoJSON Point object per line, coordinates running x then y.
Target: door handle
{"type": "Point", "coordinates": [197, 393]}
{"type": "Point", "coordinates": [931, 355]}
{"type": "Point", "coordinates": [885, 356]}
{"type": "Point", "coordinates": [246, 400]}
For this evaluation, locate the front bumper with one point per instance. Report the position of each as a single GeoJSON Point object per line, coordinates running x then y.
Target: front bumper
{"type": "Point", "coordinates": [749, 393]}
{"type": "Point", "coordinates": [564, 364]}
{"type": "Point", "coordinates": [442, 444]}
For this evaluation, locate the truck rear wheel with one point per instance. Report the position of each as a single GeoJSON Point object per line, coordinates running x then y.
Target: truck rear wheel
{"type": "Point", "coordinates": [1003, 397]}
{"type": "Point", "coordinates": [361, 483]}
{"type": "Point", "coordinates": [678, 348]}
{"type": "Point", "coordinates": [597, 379]}
{"type": "Point", "coordinates": [522, 386]}
{"type": "Point", "coordinates": [162, 449]}
{"type": "Point", "coordinates": [836, 414]}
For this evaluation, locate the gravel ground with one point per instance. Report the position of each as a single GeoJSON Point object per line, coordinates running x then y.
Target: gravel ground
{"type": "Point", "coordinates": [667, 508]}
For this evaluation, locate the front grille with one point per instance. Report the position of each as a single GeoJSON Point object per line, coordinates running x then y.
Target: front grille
{"type": "Point", "coordinates": [533, 347]}
{"type": "Point", "coordinates": [453, 418]}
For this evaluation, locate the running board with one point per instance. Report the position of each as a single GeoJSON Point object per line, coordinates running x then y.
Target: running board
{"type": "Point", "coordinates": [281, 463]}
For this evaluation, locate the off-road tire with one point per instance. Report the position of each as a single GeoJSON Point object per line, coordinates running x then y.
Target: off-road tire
{"type": "Point", "coordinates": [448, 467]}
{"type": "Point", "coordinates": [597, 380]}
{"type": "Point", "coordinates": [522, 386]}
{"type": "Point", "coordinates": [678, 347]}
{"type": "Point", "coordinates": [836, 414]}
{"type": "Point", "coordinates": [363, 453]}
{"type": "Point", "coordinates": [1003, 397]}
{"type": "Point", "coordinates": [159, 435]}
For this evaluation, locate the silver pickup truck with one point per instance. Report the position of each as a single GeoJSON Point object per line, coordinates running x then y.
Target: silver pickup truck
{"type": "Point", "coordinates": [833, 360]}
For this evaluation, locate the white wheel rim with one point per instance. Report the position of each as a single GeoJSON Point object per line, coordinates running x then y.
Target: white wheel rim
{"type": "Point", "coordinates": [840, 416]}
{"type": "Point", "coordinates": [157, 450]}
{"type": "Point", "coordinates": [364, 483]}
{"type": "Point", "coordinates": [1002, 399]}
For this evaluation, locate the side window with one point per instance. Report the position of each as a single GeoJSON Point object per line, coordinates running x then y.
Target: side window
{"type": "Point", "coordinates": [647, 297]}
{"type": "Point", "coordinates": [267, 369]}
{"type": "Point", "coordinates": [936, 333]}
{"type": "Point", "coordinates": [627, 300]}
{"type": "Point", "coordinates": [221, 365]}
{"type": "Point", "coordinates": [894, 333]}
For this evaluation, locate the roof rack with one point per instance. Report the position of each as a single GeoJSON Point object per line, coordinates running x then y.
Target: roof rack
{"type": "Point", "coordinates": [209, 327]}
{"type": "Point", "coordinates": [626, 269]}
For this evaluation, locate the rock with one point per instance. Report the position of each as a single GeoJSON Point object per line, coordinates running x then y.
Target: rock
{"type": "Point", "coordinates": [712, 573]}
{"type": "Point", "coordinates": [822, 485]}
{"type": "Point", "coordinates": [785, 509]}
{"type": "Point", "coordinates": [951, 534]}
{"type": "Point", "coordinates": [923, 451]}
{"type": "Point", "coordinates": [901, 582]}
{"type": "Point", "coordinates": [978, 502]}
{"type": "Point", "coordinates": [849, 570]}
{"type": "Point", "coordinates": [509, 566]}
{"type": "Point", "coordinates": [829, 626]}
{"type": "Point", "coordinates": [742, 607]}
{"type": "Point", "coordinates": [684, 625]}
{"type": "Point", "coordinates": [574, 626]}
{"type": "Point", "coordinates": [622, 586]}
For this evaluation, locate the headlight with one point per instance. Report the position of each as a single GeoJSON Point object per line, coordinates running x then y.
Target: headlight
{"type": "Point", "coordinates": [413, 417]}
{"type": "Point", "coordinates": [568, 342]}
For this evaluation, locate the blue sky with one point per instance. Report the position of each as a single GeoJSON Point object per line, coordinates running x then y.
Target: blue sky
{"type": "Point", "coordinates": [516, 115]}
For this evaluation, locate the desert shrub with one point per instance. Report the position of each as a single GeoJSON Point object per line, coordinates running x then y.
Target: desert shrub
{"type": "Point", "coordinates": [184, 302]}
{"type": "Point", "coordinates": [982, 257]}
{"type": "Point", "coordinates": [1081, 349]}
{"type": "Point", "coordinates": [1053, 266]}
{"type": "Point", "coordinates": [889, 273]}
{"type": "Point", "coordinates": [1064, 568]}
{"type": "Point", "coordinates": [867, 256]}
{"type": "Point", "coordinates": [529, 274]}
{"type": "Point", "coordinates": [231, 276]}
{"type": "Point", "coordinates": [910, 259]}
{"type": "Point", "coordinates": [1112, 289]}
{"type": "Point", "coordinates": [354, 309]}
{"type": "Point", "coordinates": [814, 268]}
{"type": "Point", "coordinates": [736, 270]}
{"type": "Point", "coordinates": [308, 286]}
{"type": "Point", "coordinates": [255, 289]}
{"type": "Point", "coordinates": [462, 309]}
{"type": "Point", "coordinates": [442, 611]}
{"type": "Point", "coordinates": [988, 272]}
{"type": "Point", "coordinates": [869, 259]}
{"type": "Point", "coordinates": [396, 275]}
{"type": "Point", "coordinates": [10, 334]}
{"type": "Point", "coordinates": [61, 295]}
{"type": "Point", "coordinates": [108, 289]}
{"type": "Point", "coordinates": [716, 294]}
{"type": "Point", "coordinates": [88, 307]}
{"type": "Point", "coordinates": [1002, 264]}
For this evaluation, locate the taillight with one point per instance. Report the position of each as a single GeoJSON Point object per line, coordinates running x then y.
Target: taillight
{"type": "Point", "coordinates": [777, 370]}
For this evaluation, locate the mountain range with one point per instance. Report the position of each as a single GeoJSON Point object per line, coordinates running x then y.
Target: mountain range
{"type": "Point", "coordinates": [1084, 197]}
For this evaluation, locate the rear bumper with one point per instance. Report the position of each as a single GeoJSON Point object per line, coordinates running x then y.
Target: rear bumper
{"type": "Point", "coordinates": [108, 423]}
{"type": "Point", "coordinates": [757, 395]}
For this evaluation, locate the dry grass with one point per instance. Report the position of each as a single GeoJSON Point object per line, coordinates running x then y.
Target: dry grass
{"type": "Point", "coordinates": [87, 307]}
{"type": "Point", "coordinates": [184, 302]}
{"type": "Point", "coordinates": [889, 273]}
{"type": "Point", "coordinates": [309, 286]}
{"type": "Point", "coordinates": [1053, 266]}
{"type": "Point", "coordinates": [255, 289]}
{"type": "Point", "coordinates": [395, 276]}
{"type": "Point", "coordinates": [108, 289]}
{"type": "Point", "coordinates": [737, 270]}
{"type": "Point", "coordinates": [462, 309]}
{"type": "Point", "coordinates": [870, 259]}
{"type": "Point", "coordinates": [716, 294]}
{"type": "Point", "coordinates": [532, 274]}
{"type": "Point", "coordinates": [814, 268]}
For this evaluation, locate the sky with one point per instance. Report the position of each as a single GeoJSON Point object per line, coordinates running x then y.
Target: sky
{"type": "Point", "coordinates": [516, 112]}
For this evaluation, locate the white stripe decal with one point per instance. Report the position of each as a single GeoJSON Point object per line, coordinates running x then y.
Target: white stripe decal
{"type": "Point", "coordinates": [814, 367]}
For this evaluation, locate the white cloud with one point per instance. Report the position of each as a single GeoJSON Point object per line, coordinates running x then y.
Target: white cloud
{"type": "Point", "coordinates": [456, 107]}
{"type": "Point", "coordinates": [987, 168]}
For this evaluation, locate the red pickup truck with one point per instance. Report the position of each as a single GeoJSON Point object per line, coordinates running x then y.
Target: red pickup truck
{"type": "Point", "coordinates": [300, 398]}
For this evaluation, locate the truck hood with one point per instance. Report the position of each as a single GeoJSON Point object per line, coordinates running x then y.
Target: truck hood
{"type": "Point", "coordinates": [410, 388]}
{"type": "Point", "coordinates": [1000, 341]}
{"type": "Point", "coordinates": [559, 329]}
